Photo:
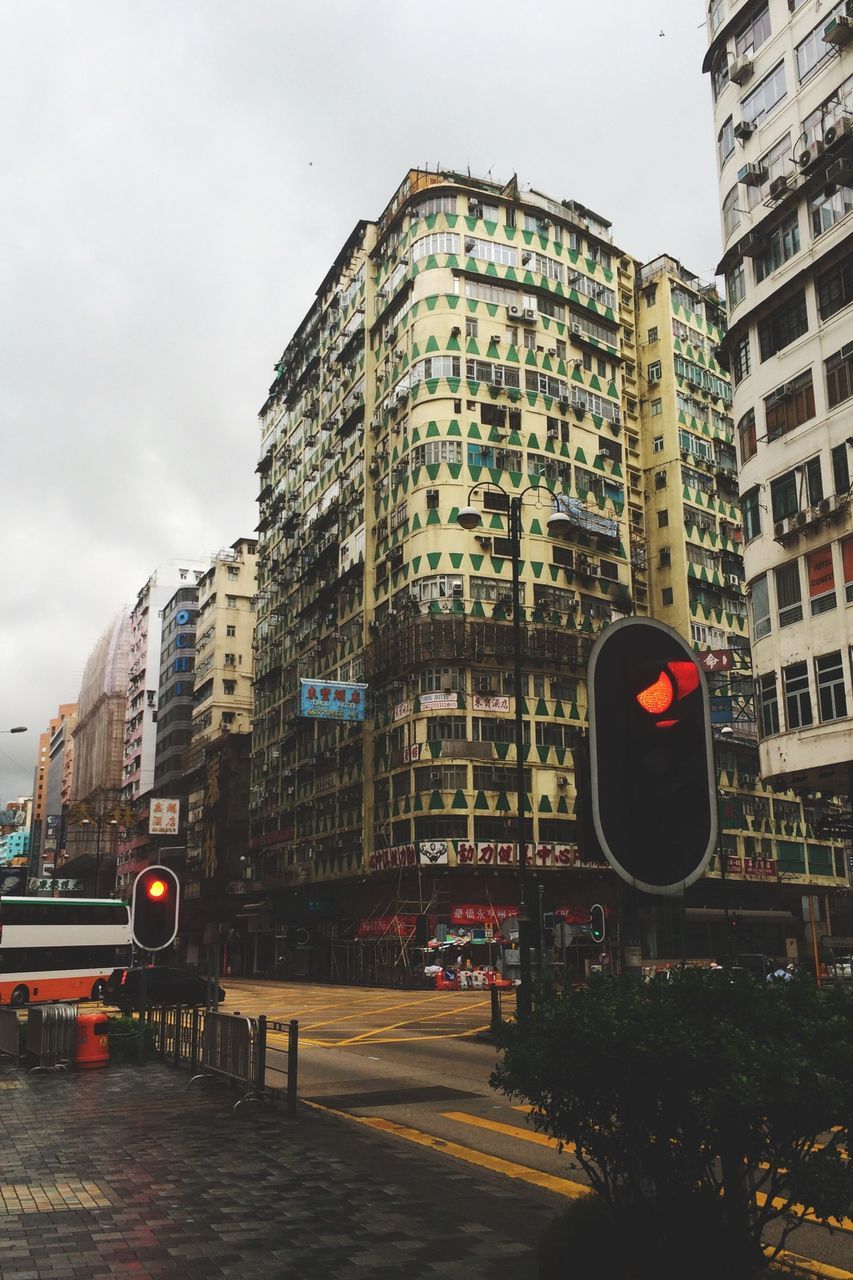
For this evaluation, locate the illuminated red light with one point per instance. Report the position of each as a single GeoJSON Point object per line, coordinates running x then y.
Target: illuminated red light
{"type": "Point", "coordinates": [156, 889]}
{"type": "Point", "coordinates": [657, 697]}
{"type": "Point", "coordinates": [686, 676]}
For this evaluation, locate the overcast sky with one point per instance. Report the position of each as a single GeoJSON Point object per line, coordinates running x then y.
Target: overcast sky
{"type": "Point", "coordinates": [177, 178]}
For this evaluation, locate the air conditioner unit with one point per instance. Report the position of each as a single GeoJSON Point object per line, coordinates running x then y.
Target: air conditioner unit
{"type": "Point", "coordinates": [751, 175]}
{"type": "Point", "coordinates": [577, 330]}
{"type": "Point", "coordinates": [840, 173]}
{"type": "Point", "coordinates": [838, 31]}
{"type": "Point", "coordinates": [514, 313]}
{"type": "Point", "coordinates": [839, 131]}
{"type": "Point", "coordinates": [484, 540]}
{"type": "Point", "coordinates": [810, 155]}
{"type": "Point", "coordinates": [525, 258]}
{"type": "Point", "coordinates": [733, 580]}
{"type": "Point", "coordinates": [484, 685]}
{"type": "Point", "coordinates": [457, 590]}
{"type": "Point", "coordinates": [780, 529]}
{"type": "Point", "coordinates": [744, 129]}
{"type": "Point", "coordinates": [800, 519]}
{"type": "Point", "coordinates": [373, 469]}
{"type": "Point", "coordinates": [529, 315]}
{"type": "Point", "coordinates": [752, 245]}
{"type": "Point", "coordinates": [779, 186]}
{"type": "Point", "coordinates": [469, 244]}
{"type": "Point", "coordinates": [740, 71]}
{"type": "Point", "coordinates": [506, 598]}
{"type": "Point", "coordinates": [824, 508]}
{"type": "Point", "coordinates": [565, 401]}
{"type": "Point", "coordinates": [554, 431]}
{"type": "Point", "coordinates": [473, 203]}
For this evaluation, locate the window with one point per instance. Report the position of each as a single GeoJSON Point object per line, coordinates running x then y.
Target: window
{"type": "Point", "coordinates": [446, 729]}
{"type": "Point", "coordinates": [725, 142]}
{"type": "Point", "coordinates": [435, 451]}
{"type": "Point", "coordinates": [436, 367]}
{"type": "Point", "coordinates": [230, 631]}
{"type": "Point", "coordinates": [840, 469]}
{"type": "Point", "coordinates": [231, 602]}
{"type": "Point", "coordinates": [719, 71]}
{"type": "Point", "coordinates": [782, 325]}
{"type": "Point", "coordinates": [784, 495]}
{"type": "Point", "coordinates": [657, 442]}
{"type": "Point", "coordinates": [790, 406]}
{"type": "Point", "coordinates": [654, 371]}
{"type": "Point", "coordinates": [751, 514]}
{"type": "Point", "coordinates": [731, 212]}
{"type": "Point", "coordinates": [760, 602]}
{"type": "Point", "coordinates": [768, 704]}
{"type": "Point", "coordinates": [821, 576]}
{"type": "Point", "coordinates": [663, 519]}
{"type": "Point", "coordinates": [765, 96]}
{"type": "Point", "coordinates": [775, 163]}
{"type": "Point", "coordinates": [835, 288]}
{"type": "Point", "coordinates": [666, 596]}
{"type": "Point", "coordinates": [798, 700]}
{"type": "Point", "coordinates": [441, 679]}
{"type": "Point", "coordinates": [814, 481]}
{"type": "Point", "coordinates": [497, 375]}
{"type": "Point", "coordinates": [838, 370]}
{"type": "Point", "coordinates": [783, 243]}
{"type": "Point", "coordinates": [829, 206]}
{"type": "Point", "coordinates": [740, 359]}
{"type": "Point", "coordinates": [470, 327]}
{"type": "Point", "coordinates": [229, 687]}
{"type": "Point", "coordinates": [812, 51]}
{"type": "Point", "coordinates": [736, 284]}
{"type": "Point", "coordinates": [491, 251]}
{"type": "Point", "coordinates": [495, 590]}
{"type": "Point", "coordinates": [847, 564]}
{"type": "Point", "coordinates": [753, 35]}
{"type": "Point", "coordinates": [746, 436]}
{"type": "Point", "coordinates": [789, 601]}
{"type": "Point", "coordinates": [435, 204]}
{"type": "Point", "coordinates": [829, 677]}
{"type": "Point", "coordinates": [653, 334]}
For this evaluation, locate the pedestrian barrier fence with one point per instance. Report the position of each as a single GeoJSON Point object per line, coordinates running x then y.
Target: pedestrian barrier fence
{"type": "Point", "coordinates": [50, 1036]}
{"type": "Point", "coordinates": [10, 1034]}
{"type": "Point", "coordinates": [228, 1047]}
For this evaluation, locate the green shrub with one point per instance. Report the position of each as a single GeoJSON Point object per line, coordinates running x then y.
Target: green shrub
{"type": "Point", "coordinates": [124, 1039]}
{"type": "Point", "coordinates": [671, 1090]}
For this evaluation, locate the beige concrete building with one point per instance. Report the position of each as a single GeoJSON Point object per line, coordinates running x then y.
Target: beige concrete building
{"type": "Point", "coordinates": [782, 80]}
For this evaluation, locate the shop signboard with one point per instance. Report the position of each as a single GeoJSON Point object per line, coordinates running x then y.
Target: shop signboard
{"type": "Point", "coordinates": [394, 926]}
{"type": "Point", "coordinates": [164, 817]}
{"type": "Point", "coordinates": [439, 701]}
{"type": "Point", "coordinates": [490, 702]}
{"type": "Point", "coordinates": [331, 700]}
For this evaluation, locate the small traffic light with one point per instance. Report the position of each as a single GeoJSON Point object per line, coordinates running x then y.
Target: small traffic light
{"type": "Point", "coordinates": [652, 760]}
{"type": "Point", "coordinates": [597, 922]}
{"type": "Point", "coordinates": [154, 908]}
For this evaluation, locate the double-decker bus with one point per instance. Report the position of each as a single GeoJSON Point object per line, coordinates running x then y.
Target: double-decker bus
{"type": "Point", "coordinates": [60, 948]}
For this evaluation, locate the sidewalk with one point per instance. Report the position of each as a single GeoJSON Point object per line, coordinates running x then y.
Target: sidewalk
{"type": "Point", "coordinates": [124, 1172]}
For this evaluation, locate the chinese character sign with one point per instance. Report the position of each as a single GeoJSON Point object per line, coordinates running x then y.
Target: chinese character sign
{"type": "Point", "coordinates": [331, 700]}
{"type": "Point", "coordinates": [164, 817]}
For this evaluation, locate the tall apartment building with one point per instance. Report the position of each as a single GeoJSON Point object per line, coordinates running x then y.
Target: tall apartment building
{"type": "Point", "coordinates": [695, 544]}
{"type": "Point", "coordinates": [44, 833]}
{"type": "Point", "coordinates": [175, 688]}
{"type": "Point", "coordinates": [218, 759]}
{"type": "Point", "coordinates": [782, 81]}
{"type": "Point", "coordinates": [476, 343]}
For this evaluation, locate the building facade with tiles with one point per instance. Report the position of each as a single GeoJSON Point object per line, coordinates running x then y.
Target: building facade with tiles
{"type": "Point", "coordinates": [475, 343]}
{"type": "Point", "coordinates": [782, 81]}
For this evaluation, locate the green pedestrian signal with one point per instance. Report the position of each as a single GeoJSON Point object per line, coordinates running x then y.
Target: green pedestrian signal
{"type": "Point", "coordinates": [597, 922]}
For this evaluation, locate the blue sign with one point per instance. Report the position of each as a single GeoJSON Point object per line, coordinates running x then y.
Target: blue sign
{"type": "Point", "coordinates": [721, 709]}
{"type": "Point", "coordinates": [331, 700]}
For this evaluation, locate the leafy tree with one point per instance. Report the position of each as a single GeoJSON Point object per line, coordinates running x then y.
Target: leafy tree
{"type": "Point", "coordinates": [676, 1091]}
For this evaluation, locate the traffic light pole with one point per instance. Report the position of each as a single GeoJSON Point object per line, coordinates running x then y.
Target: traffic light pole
{"type": "Point", "coordinates": [524, 999]}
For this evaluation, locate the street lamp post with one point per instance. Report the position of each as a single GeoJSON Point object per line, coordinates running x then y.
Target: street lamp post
{"type": "Point", "coordinates": [725, 732]}
{"type": "Point", "coordinates": [469, 518]}
{"type": "Point", "coordinates": [100, 822]}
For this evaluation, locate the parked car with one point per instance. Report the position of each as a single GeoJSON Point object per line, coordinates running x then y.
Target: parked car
{"type": "Point", "coordinates": [163, 985]}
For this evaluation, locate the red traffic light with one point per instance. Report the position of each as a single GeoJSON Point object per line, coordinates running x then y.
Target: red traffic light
{"type": "Point", "coordinates": [674, 682]}
{"type": "Point", "coordinates": [155, 888]}
{"type": "Point", "coordinates": [154, 908]}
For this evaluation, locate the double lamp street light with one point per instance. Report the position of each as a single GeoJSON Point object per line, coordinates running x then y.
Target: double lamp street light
{"type": "Point", "coordinates": [558, 523]}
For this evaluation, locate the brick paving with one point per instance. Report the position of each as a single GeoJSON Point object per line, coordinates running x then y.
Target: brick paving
{"type": "Point", "coordinates": [126, 1172]}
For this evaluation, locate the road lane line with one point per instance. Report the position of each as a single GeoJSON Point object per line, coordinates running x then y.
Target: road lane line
{"type": "Point", "coordinates": [810, 1266]}
{"type": "Point", "coordinates": [394, 1026]}
{"type": "Point", "coordinates": [507, 1130]}
{"type": "Point", "coordinates": [834, 1224]}
{"type": "Point", "coordinates": [414, 1038]}
{"type": "Point", "coordinates": [520, 1172]}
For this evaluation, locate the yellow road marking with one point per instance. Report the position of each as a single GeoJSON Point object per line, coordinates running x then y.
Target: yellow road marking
{"type": "Point", "coordinates": [394, 1026]}
{"type": "Point", "coordinates": [347, 1017]}
{"type": "Point", "coordinates": [547, 1181]}
{"type": "Point", "coordinates": [810, 1266]}
{"type": "Point", "coordinates": [835, 1224]}
{"type": "Point", "coordinates": [507, 1130]}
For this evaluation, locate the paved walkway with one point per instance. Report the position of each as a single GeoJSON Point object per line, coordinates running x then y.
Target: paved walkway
{"type": "Point", "coordinates": [124, 1172]}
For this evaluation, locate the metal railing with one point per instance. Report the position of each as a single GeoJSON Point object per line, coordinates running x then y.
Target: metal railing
{"type": "Point", "coordinates": [51, 1029]}
{"type": "Point", "coordinates": [10, 1034]}
{"type": "Point", "coordinates": [229, 1047]}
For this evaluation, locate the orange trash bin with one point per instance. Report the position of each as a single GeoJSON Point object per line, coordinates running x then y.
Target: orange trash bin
{"type": "Point", "coordinates": [91, 1042]}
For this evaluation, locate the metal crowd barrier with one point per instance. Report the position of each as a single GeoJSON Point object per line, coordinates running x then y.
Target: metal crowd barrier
{"type": "Point", "coordinates": [228, 1047]}
{"type": "Point", "coordinates": [50, 1035]}
{"type": "Point", "coordinates": [10, 1034]}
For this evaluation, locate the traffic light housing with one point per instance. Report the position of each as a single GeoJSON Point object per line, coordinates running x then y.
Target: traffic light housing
{"type": "Point", "coordinates": [652, 756]}
{"type": "Point", "coordinates": [154, 908]}
{"type": "Point", "coordinates": [597, 922]}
